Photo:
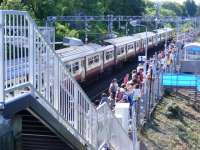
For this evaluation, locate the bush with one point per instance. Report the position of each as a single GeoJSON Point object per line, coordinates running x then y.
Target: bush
{"type": "Point", "coordinates": [174, 112]}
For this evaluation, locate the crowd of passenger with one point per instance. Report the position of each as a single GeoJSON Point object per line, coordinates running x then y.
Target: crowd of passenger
{"type": "Point", "coordinates": [131, 89]}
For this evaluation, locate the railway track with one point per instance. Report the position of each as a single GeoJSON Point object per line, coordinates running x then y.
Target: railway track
{"type": "Point", "coordinates": [96, 88]}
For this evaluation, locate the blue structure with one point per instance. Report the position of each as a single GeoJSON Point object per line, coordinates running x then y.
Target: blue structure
{"type": "Point", "coordinates": [181, 80]}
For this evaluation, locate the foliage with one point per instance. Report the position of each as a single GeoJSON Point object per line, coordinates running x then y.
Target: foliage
{"type": "Point", "coordinates": [40, 9]}
{"type": "Point", "coordinates": [64, 30]}
{"type": "Point", "coordinates": [190, 7]}
{"type": "Point", "coordinates": [174, 112]}
{"type": "Point", "coordinates": [186, 26]}
{"type": "Point", "coordinates": [176, 8]}
{"type": "Point", "coordinates": [13, 4]}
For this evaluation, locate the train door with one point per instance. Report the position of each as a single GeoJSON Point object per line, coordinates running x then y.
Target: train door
{"type": "Point", "coordinates": [102, 61]}
{"type": "Point", "coordinates": [135, 51]}
{"type": "Point", "coordinates": [115, 54]}
{"type": "Point", "coordinates": [126, 51]}
{"type": "Point", "coordinates": [83, 66]}
{"type": "Point", "coordinates": [141, 45]}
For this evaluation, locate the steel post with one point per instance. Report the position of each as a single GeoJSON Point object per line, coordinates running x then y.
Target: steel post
{"type": "Point", "coordinates": [2, 51]}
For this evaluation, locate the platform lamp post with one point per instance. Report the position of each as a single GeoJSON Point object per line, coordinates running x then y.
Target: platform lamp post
{"type": "Point", "coordinates": [134, 24]}
{"type": "Point", "coordinates": [166, 36]}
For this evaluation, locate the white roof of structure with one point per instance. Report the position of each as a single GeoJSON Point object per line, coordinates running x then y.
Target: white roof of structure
{"type": "Point", "coordinates": [163, 30]}
{"type": "Point", "coordinates": [192, 44]}
{"type": "Point", "coordinates": [74, 52]}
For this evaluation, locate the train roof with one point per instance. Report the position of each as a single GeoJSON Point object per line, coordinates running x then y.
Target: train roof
{"type": "Point", "coordinates": [142, 35]}
{"type": "Point", "coordinates": [74, 52]}
{"type": "Point", "coordinates": [129, 39]}
{"type": "Point", "coordinates": [120, 40]}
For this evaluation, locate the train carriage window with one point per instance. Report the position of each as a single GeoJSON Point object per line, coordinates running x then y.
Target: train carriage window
{"type": "Point", "coordinates": [130, 46]}
{"type": "Point", "coordinates": [137, 44]}
{"type": "Point", "coordinates": [109, 55]}
{"type": "Point", "coordinates": [75, 67]}
{"type": "Point", "coordinates": [120, 50]}
{"type": "Point", "coordinates": [68, 66]}
{"type": "Point", "coordinates": [96, 59]}
{"type": "Point", "coordinates": [150, 40]}
{"type": "Point", "coordinates": [92, 60]}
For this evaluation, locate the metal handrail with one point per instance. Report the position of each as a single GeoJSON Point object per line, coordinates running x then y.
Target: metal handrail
{"type": "Point", "coordinates": [109, 130]}
{"type": "Point", "coordinates": [40, 71]}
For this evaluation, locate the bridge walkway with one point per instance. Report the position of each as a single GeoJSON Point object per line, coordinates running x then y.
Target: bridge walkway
{"type": "Point", "coordinates": [45, 95]}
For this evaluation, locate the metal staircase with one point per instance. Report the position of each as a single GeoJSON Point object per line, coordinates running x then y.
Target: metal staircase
{"type": "Point", "coordinates": [28, 64]}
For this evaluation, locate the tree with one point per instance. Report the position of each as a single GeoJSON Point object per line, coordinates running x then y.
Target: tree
{"type": "Point", "coordinates": [175, 7]}
{"type": "Point", "coordinates": [13, 4]}
{"type": "Point", "coordinates": [64, 30]}
{"type": "Point", "coordinates": [126, 7]}
{"type": "Point", "coordinates": [191, 7]}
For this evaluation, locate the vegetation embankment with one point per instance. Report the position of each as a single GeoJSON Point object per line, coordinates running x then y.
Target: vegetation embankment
{"type": "Point", "coordinates": [175, 125]}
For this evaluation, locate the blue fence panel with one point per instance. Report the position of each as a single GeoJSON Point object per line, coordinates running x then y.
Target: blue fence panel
{"type": "Point", "coordinates": [181, 80]}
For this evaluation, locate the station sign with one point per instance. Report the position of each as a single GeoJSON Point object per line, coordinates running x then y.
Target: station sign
{"type": "Point", "coordinates": [141, 58]}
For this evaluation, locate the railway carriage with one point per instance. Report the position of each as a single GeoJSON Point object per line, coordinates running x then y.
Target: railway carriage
{"type": "Point", "coordinates": [86, 61]}
{"type": "Point", "coordinates": [109, 57]}
{"type": "Point", "coordinates": [91, 59]}
{"type": "Point", "coordinates": [123, 46]}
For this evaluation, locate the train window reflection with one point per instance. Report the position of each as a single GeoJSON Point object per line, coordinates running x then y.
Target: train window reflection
{"type": "Point", "coordinates": [92, 60]}
{"type": "Point", "coordinates": [130, 47]}
{"type": "Point", "coordinates": [75, 67]}
{"type": "Point", "coordinates": [109, 55]}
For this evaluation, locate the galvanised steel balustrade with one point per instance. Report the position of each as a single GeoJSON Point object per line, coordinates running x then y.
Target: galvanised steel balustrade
{"type": "Point", "coordinates": [108, 131]}
{"type": "Point", "coordinates": [29, 64]}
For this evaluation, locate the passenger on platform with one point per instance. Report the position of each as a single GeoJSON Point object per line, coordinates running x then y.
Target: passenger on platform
{"type": "Point", "coordinates": [139, 78]}
{"type": "Point", "coordinates": [140, 66]}
{"type": "Point", "coordinates": [111, 99]}
{"type": "Point", "coordinates": [120, 92]}
{"type": "Point", "coordinates": [136, 101]}
{"type": "Point", "coordinates": [130, 88]}
{"type": "Point", "coordinates": [141, 74]}
{"type": "Point", "coordinates": [126, 78]}
{"type": "Point", "coordinates": [133, 74]}
{"type": "Point", "coordinates": [159, 55]}
{"type": "Point", "coordinates": [104, 98]}
{"type": "Point", "coordinates": [124, 98]}
{"type": "Point", "coordinates": [130, 93]}
{"type": "Point", "coordinates": [168, 62]}
{"type": "Point", "coordinates": [113, 87]}
{"type": "Point", "coordinates": [149, 73]}
{"type": "Point", "coordinates": [135, 81]}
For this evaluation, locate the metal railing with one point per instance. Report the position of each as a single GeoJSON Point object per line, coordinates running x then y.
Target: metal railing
{"type": "Point", "coordinates": [29, 64]}
{"type": "Point", "coordinates": [110, 130]}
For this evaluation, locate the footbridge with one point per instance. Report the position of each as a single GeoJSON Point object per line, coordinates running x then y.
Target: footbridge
{"type": "Point", "coordinates": [43, 107]}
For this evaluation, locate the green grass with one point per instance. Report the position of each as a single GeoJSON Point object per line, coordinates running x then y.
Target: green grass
{"type": "Point", "coordinates": [178, 131]}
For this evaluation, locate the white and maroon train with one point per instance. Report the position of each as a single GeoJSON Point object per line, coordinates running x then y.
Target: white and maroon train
{"type": "Point", "coordinates": [92, 59]}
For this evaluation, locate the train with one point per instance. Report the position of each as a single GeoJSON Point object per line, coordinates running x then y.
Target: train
{"type": "Point", "coordinates": [89, 60]}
